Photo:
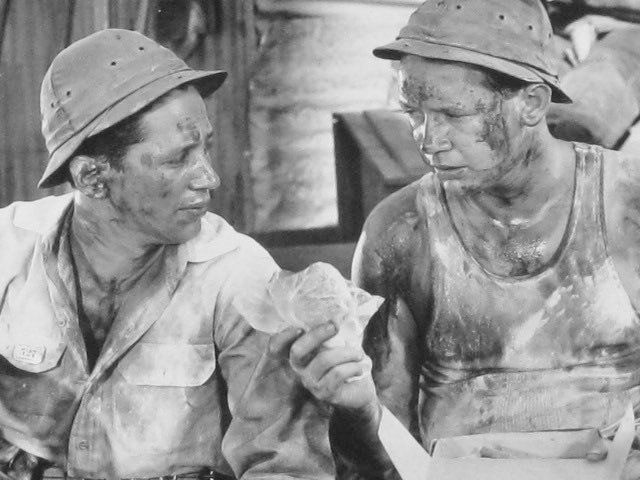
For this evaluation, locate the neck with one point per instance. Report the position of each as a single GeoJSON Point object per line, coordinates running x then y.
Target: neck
{"type": "Point", "coordinates": [539, 179]}
{"type": "Point", "coordinates": [114, 252]}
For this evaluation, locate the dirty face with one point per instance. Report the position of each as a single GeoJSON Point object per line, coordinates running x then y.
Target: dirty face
{"type": "Point", "coordinates": [162, 190]}
{"type": "Point", "coordinates": [467, 131]}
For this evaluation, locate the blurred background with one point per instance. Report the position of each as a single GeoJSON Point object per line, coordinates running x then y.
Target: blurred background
{"type": "Point", "coordinates": [308, 136]}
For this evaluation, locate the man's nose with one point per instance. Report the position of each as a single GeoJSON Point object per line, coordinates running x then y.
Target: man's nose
{"type": "Point", "coordinates": [206, 177]}
{"type": "Point", "coordinates": [432, 136]}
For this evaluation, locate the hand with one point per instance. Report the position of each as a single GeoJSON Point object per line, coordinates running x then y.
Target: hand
{"type": "Point", "coordinates": [340, 376]}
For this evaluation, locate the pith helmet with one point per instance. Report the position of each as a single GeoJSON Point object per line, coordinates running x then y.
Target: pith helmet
{"type": "Point", "coordinates": [513, 37]}
{"type": "Point", "coordinates": [99, 81]}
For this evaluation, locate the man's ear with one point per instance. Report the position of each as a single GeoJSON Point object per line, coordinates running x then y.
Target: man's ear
{"type": "Point", "coordinates": [537, 99]}
{"type": "Point", "coordinates": [89, 175]}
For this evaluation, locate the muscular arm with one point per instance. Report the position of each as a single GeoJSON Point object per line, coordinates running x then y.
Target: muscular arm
{"type": "Point", "coordinates": [621, 192]}
{"type": "Point", "coordinates": [383, 265]}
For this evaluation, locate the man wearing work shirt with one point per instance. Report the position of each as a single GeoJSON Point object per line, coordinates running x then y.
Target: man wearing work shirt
{"type": "Point", "coordinates": [122, 352]}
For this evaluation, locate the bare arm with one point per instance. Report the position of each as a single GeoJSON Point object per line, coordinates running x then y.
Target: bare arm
{"type": "Point", "coordinates": [383, 265]}
{"type": "Point", "coordinates": [390, 342]}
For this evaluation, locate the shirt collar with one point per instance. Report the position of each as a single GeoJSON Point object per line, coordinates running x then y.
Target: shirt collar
{"type": "Point", "coordinates": [44, 217]}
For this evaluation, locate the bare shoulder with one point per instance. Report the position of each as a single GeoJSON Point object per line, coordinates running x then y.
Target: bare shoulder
{"type": "Point", "coordinates": [621, 192]}
{"type": "Point", "coordinates": [390, 236]}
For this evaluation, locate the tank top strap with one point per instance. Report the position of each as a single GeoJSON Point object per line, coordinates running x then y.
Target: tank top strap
{"type": "Point", "coordinates": [431, 206]}
{"type": "Point", "coordinates": [587, 210]}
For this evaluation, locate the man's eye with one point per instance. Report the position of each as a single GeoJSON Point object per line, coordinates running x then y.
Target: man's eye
{"type": "Point", "coordinates": [456, 113]}
{"type": "Point", "coordinates": [415, 116]}
{"type": "Point", "coordinates": [179, 159]}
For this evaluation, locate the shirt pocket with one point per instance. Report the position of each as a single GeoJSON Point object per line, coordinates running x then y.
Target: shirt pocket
{"type": "Point", "coordinates": [161, 395]}
{"type": "Point", "coordinates": [32, 357]}
{"type": "Point", "coordinates": [178, 365]}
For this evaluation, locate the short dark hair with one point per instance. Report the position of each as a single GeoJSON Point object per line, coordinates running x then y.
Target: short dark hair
{"type": "Point", "coordinates": [505, 85]}
{"type": "Point", "coordinates": [114, 142]}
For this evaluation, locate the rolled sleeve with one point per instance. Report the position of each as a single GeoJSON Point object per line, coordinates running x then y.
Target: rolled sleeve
{"type": "Point", "coordinates": [277, 429]}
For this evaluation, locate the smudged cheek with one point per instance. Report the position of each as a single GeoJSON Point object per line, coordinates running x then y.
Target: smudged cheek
{"type": "Point", "coordinates": [157, 199]}
{"type": "Point", "coordinates": [490, 144]}
{"type": "Point", "coordinates": [477, 154]}
{"type": "Point", "coordinates": [149, 199]}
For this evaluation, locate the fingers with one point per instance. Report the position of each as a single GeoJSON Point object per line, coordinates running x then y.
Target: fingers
{"type": "Point", "coordinates": [340, 374]}
{"type": "Point", "coordinates": [328, 359]}
{"type": "Point", "coordinates": [305, 348]}
{"type": "Point", "coordinates": [280, 343]}
{"type": "Point", "coordinates": [331, 386]}
{"type": "Point", "coordinates": [598, 451]}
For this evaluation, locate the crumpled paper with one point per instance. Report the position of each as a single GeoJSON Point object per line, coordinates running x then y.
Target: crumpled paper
{"type": "Point", "coordinates": [311, 297]}
{"type": "Point", "coordinates": [319, 294]}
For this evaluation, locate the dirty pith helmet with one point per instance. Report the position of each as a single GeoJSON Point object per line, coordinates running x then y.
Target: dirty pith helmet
{"type": "Point", "coordinates": [101, 80]}
{"type": "Point", "coordinates": [513, 37]}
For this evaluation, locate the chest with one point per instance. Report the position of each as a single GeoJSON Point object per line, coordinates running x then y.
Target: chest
{"type": "Point", "coordinates": [575, 311]}
{"type": "Point", "coordinates": [511, 248]}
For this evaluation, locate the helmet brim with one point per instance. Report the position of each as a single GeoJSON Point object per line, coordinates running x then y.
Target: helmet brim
{"type": "Point", "coordinates": [397, 49]}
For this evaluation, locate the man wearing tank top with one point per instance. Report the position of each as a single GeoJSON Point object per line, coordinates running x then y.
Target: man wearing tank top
{"type": "Point", "coordinates": [511, 272]}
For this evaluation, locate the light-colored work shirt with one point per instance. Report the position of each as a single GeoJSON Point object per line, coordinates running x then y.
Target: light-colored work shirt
{"type": "Point", "coordinates": [183, 381]}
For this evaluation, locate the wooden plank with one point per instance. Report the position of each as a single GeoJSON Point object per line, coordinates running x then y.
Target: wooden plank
{"type": "Point", "coordinates": [348, 178]}
{"type": "Point", "coordinates": [5, 7]}
{"type": "Point", "coordinates": [35, 32]}
{"type": "Point", "coordinates": [142, 19]}
{"type": "Point", "coordinates": [394, 132]}
{"type": "Point", "coordinates": [228, 45]}
{"type": "Point", "coordinates": [101, 17]}
{"type": "Point", "coordinates": [372, 149]}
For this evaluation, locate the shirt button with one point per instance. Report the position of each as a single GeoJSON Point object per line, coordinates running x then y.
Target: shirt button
{"type": "Point", "coordinates": [83, 445]}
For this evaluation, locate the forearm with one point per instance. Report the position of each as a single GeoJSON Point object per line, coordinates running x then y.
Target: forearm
{"type": "Point", "coordinates": [356, 446]}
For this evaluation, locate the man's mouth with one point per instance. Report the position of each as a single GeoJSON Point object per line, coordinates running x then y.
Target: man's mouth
{"type": "Point", "coordinates": [199, 207]}
{"type": "Point", "coordinates": [446, 168]}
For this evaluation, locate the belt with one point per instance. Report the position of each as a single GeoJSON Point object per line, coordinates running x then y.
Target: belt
{"type": "Point", "coordinates": [58, 474]}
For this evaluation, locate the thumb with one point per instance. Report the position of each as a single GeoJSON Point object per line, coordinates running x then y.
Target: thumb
{"type": "Point", "coordinates": [598, 451]}
{"type": "Point", "coordinates": [280, 343]}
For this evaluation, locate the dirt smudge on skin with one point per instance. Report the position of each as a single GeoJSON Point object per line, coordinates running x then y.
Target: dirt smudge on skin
{"type": "Point", "coordinates": [189, 128]}
{"type": "Point", "coordinates": [494, 128]}
{"type": "Point", "coordinates": [146, 159]}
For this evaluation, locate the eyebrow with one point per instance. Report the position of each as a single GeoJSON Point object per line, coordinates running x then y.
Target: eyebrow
{"type": "Point", "coordinates": [191, 143]}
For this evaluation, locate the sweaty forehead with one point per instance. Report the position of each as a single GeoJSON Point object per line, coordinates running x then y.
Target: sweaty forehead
{"type": "Point", "coordinates": [423, 80]}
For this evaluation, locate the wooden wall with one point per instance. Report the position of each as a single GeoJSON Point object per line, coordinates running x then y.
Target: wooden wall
{"type": "Point", "coordinates": [34, 31]}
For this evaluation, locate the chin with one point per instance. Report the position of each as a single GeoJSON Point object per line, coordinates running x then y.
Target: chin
{"type": "Point", "coordinates": [184, 233]}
